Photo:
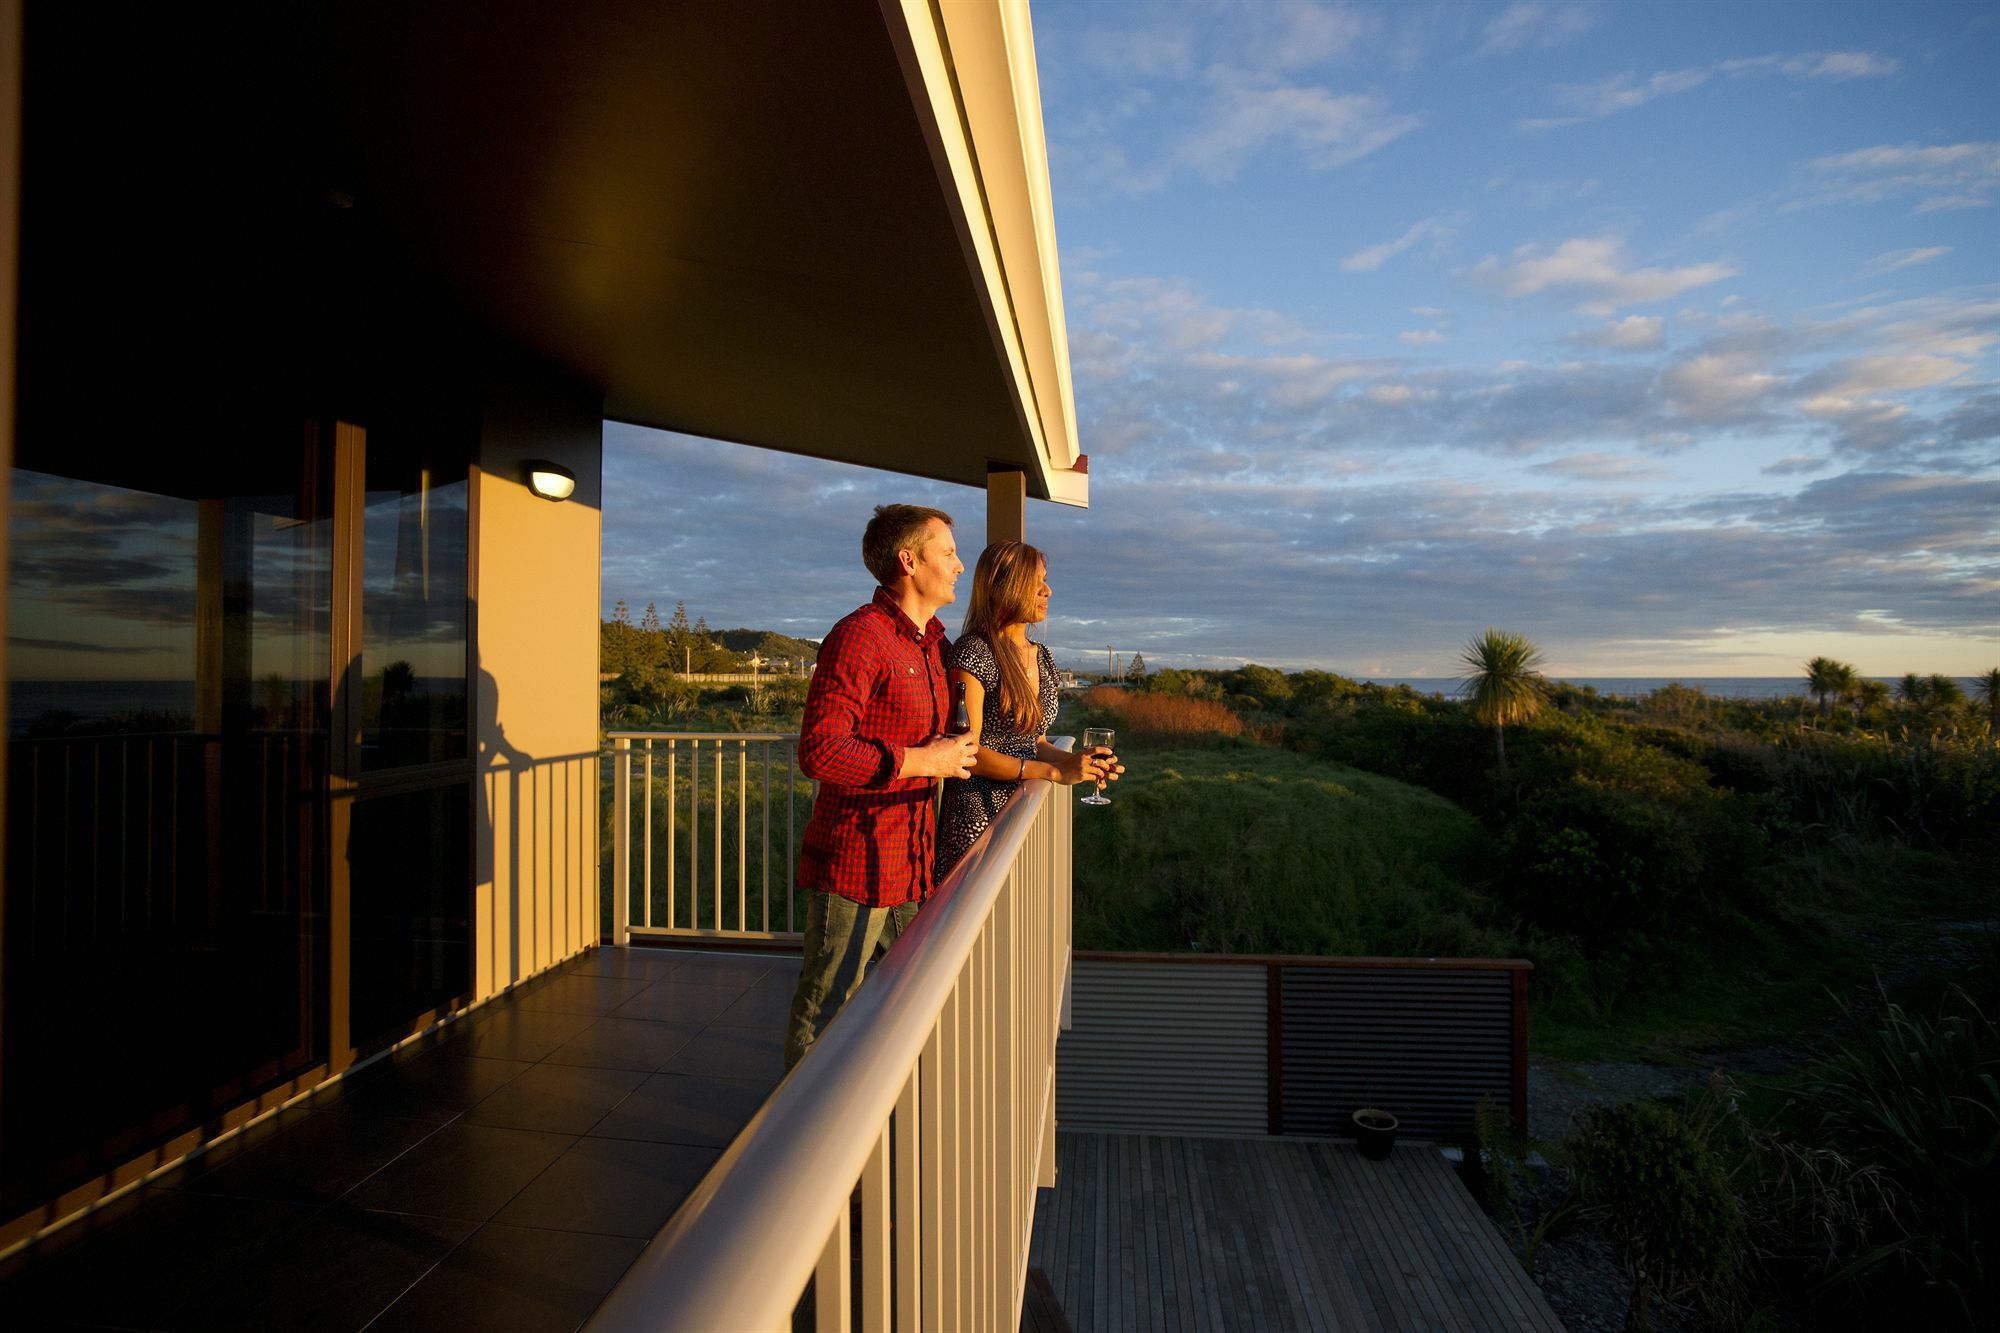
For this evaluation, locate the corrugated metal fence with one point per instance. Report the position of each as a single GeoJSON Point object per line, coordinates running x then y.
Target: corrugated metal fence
{"type": "Point", "coordinates": [1230, 1044]}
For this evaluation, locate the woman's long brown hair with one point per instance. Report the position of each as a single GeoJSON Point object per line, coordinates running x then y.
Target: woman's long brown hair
{"type": "Point", "coordinates": [1003, 593]}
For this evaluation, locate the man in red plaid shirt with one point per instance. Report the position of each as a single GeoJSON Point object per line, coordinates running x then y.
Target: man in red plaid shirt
{"type": "Point", "coordinates": [873, 739]}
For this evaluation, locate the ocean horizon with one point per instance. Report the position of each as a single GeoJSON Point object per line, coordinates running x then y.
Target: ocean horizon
{"type": "Point", "coordinates": [1633, 687]}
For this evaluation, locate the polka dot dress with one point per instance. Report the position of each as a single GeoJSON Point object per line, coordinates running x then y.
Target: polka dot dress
{"type": "Point", "coordinates": [970, 804]}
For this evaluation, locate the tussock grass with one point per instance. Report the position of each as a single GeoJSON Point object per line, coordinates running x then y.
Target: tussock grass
{"type": "Point", "coordinates": [1163, 716]}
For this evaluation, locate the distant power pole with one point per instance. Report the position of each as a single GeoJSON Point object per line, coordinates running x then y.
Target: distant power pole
{"type": "Point", "coordinates": [1110, 662]}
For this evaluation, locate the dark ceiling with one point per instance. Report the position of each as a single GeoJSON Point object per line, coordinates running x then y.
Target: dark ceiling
{"type": "Point", "coordinates": [726, 215]}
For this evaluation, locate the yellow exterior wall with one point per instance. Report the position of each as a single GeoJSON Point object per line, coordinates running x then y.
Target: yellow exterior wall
{"type": "Point", "coordinates": [535, 628]}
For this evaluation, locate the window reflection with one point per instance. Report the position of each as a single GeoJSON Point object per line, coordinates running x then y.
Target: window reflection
{"type": "Point", "coordinates": [166, 834]}
{"type": "Point", "coordinates": [413, 634]}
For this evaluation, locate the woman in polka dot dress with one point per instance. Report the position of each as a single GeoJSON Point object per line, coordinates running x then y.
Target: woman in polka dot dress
{"type": "Point", "coordinates": [1010, 693]}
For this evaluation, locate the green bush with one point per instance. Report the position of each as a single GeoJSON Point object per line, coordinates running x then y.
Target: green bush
{"type": "Point", "coordinates": [1664, 1200]}
{"type": "Point", "coordinates": [1919, 1097]}
{"type": "Point", "coordinates": [1599, 863]}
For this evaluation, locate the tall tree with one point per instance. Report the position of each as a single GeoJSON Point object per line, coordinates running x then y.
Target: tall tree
{"type": "Point", "coordinates": [1988, 689]}
{"type": "Point", "coordinates": [1944, 691]}
{"type": "Point", "coordinates": [680, 640]}
{"type": "Point", "coordinates": [621, 614]}
{"type": "Point", "coordinates": [1910, 689]}
{"type": "Point", "coordinates": [1137, 670]}
{"type": "Point", "coordinates": [650, 622]}
{"type": "Point", "coordinates": [1503, 682]}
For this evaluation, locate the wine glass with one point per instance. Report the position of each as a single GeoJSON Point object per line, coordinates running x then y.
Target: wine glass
{"type": "Point", "coordinates": [1093, 738]}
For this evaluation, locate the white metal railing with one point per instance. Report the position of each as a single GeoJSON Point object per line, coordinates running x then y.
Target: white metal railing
{"type": "Point", "coordinates": [932, 1094]}
{"type": "Point", "coordinates": [675, 796]}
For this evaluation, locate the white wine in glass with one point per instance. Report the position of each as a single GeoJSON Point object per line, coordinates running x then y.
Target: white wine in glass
{"type": "Point", "coordinates": [1095, 738]}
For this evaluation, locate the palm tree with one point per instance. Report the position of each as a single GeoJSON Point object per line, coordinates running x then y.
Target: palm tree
{"type": "Point", "coordinates": [1943, 689]}
{"type": "Point", "coordinates": [1503, 682]}
{"type": "Point", "coordinates": [1910, 689]}
{"type": "Point", "coordinates": [1988, 689]}
{"type": "Point", "coordinates": [1823, 679]}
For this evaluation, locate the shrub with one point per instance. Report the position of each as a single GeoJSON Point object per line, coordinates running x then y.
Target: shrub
{"type": "Point", "coordinates": [1677, 705]}
{"type": "Point", "coordinates": [1599, 863]}
{"type": "Point", "coordinates": [1919, 1096]}
{"type": "Point", "coordinates": [1664, 1201]}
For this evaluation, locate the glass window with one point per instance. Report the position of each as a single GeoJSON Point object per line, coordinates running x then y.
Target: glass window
{"type": "Point", "coordinates": [413, 603]}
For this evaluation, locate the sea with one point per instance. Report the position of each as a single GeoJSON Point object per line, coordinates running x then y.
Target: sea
{"type": "Point", "coordinates": [1632, 687]}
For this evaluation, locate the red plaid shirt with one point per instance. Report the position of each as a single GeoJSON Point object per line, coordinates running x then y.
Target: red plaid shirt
{"type": "Point", "coordinates": [879, 689]}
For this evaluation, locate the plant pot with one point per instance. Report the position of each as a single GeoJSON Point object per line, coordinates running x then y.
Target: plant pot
{"type": "Point", "coordinates": [1374, 1133]}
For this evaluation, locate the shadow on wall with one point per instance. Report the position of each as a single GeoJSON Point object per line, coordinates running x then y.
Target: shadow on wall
{"type": "Point", "coordinates": [535, 841]}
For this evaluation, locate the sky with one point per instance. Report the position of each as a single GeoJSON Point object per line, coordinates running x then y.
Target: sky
{"type": "Point", "coordinates": [1664, 334]}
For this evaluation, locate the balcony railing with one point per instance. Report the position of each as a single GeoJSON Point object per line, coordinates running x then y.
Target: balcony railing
{"type": "Point", "coordinates": [694, 816]}
{"type": "Point", "coordinates": [932, 1095]}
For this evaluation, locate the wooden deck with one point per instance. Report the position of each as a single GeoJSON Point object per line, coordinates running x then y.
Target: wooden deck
{"type": "Point", "coordinates": [1185, 1234]}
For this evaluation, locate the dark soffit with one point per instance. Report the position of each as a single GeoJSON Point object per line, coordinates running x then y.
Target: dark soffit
{"type": "Point", "coordinates": [725, 215]}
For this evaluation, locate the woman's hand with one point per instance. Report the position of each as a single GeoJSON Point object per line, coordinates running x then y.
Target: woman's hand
{"type": "Point", "coordinates": [1076, 766]}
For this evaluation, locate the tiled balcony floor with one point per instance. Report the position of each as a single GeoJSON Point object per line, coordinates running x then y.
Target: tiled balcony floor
{"type": "Point", "coordinates": [501, 1176]}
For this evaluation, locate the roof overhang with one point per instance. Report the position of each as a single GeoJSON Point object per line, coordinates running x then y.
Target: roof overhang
{"type": "Point", "coordinates": [824, 229]}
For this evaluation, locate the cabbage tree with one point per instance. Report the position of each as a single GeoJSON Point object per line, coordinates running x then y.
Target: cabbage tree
{"type": "Point", "coordinates": [1503, 682]}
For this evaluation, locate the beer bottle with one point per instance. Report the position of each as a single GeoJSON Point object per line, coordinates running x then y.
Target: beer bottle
{"type": "Point", "coordinates": [961, 716]}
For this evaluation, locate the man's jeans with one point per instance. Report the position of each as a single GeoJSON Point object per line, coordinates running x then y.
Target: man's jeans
{"type": "Point", "coordinates": [843, 939]}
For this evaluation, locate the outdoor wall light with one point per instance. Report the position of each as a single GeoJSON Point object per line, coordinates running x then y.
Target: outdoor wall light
{"type": "Point", "coordinates": [551, 481]}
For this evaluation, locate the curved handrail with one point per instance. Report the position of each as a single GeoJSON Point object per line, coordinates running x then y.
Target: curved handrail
{"type": "Point", "coordinates": [740, 1249]}
{"type": "Point", "coordinates": [701, 735]}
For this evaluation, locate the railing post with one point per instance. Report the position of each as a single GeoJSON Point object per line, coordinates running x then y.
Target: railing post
{"type": "Point", "coordinates": [621, 841]}
{"type": "Point", "coordinates": [646, 862]}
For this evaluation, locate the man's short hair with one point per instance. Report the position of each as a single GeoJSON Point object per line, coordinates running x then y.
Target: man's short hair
{"type": "Point", "coordinates": [896, 528]}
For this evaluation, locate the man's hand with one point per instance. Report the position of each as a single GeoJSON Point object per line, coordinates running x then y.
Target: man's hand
{"type": "Point", "coordinates": [940, 757]}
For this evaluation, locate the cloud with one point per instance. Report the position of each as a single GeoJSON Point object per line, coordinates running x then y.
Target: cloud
{"type": "Point", "coordinates": [1830, 65]}
{"type": "Point", "coordinates": [1625, 92]}
{"type": "Point", "coordinates": [1139, 51]}
{"type": "Point", "coordinates": [1296, 36]}
{"type": "Point", "coordinates": [1372, 257]}
{"type": "Point", "coordinates": [1327, 129]}
{"type": "Point", "coordinates": [1719, 386]}
{"type": "Point", "coordinates": [1532, 24]}
{"type": "Point", "coordinates": [1948, 176]}
{"type": "Point", "coordinates": [1200, 91]}
{"type": "Point", "coordinates": [1420, 337]}
{"type": "Point", "coordinates": [1603, 467]}
{"type": "Point", "coordinates": [1900, 259]}
{"type": "Point", "coordinates": [1305, 508]}
{"type": "Point", "coordinates": [1634, 333]}
{"type": "Point", "coordinates": [1628, 90]}
{"type": "Point", "coordinates": [1595, 269]}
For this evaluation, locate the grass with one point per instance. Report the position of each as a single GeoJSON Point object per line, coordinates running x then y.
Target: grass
{"type": "Point", "coordinates": [1238, 848]}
